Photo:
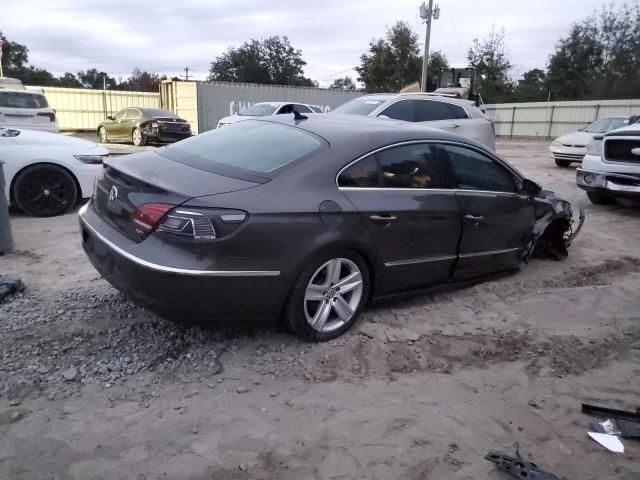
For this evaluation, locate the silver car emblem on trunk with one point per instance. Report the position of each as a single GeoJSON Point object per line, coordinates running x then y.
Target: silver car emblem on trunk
{"type": "Point", "coordinates": [113, 194]}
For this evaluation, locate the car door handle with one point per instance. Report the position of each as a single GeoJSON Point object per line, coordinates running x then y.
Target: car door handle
{"type": "Point", "coordinates": [382, 218]}
{"type": "Point", "coordinates": [475, 219]}
{"type": "Point", "coordinates": [454, 125]}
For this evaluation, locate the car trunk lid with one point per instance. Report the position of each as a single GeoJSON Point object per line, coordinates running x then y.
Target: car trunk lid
{"type": "Point", "coordinates": [129, 182]}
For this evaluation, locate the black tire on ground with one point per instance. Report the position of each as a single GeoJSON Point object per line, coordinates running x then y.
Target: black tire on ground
{"type": "Point", "coordinates": [563, 163]}
{"type": "Point", "coordinates": [45, 190]}
{"type": "Point", "coordinates": [599, 198]}
{"type": "Point", "coordinates": [103, 136]}
{"type": "Point", "coordinates": [295, 315]}
{"type": "Point", "coordinates": [138, 139]}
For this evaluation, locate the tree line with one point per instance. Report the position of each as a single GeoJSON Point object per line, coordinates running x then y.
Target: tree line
{"type": "Point", "coordinates": [599, 58]}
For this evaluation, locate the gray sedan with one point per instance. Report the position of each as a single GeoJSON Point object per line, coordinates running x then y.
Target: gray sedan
{"type": "Point", "coordinates": [307, 218]}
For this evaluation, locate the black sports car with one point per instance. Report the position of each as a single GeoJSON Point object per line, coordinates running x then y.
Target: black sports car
{"type": "Point", "coordinates": [143, 125]}
{"type": "Point", "coordinates": [306, 218]}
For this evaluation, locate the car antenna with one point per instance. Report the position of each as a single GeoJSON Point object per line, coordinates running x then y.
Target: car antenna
{"type": "Point", "coordinates": [298, 116]}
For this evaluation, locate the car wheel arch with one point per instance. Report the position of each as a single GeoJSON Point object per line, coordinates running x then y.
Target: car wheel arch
{"type": "Point", "coordinates": [40, 163]}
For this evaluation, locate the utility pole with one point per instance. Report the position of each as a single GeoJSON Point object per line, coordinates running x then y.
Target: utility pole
{"type": "Point", "coordinates": [427, 14]}
{"type": "Point", "coordinates": [186, 73]}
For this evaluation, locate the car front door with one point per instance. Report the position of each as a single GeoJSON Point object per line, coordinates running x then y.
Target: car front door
{"type": "Point", "coordinates": [497, 217]}
{"type": "Point", "coordinates": [114, 128]}
{"type": "Point", "coordinates": [128, 123]}
{"type": "Point", "coordinates": [414, 223]}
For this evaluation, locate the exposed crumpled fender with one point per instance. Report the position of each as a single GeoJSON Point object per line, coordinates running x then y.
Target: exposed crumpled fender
{"type": "Point", "coordinates": [553, 231]}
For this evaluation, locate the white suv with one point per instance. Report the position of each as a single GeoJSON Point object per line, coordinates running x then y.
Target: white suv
{"type": "Point", "coordinates": [611, 167]}
{"type": "Point", "coordinates": [437, 111]}
{"type": "Point", "coordinates": [27, 109]}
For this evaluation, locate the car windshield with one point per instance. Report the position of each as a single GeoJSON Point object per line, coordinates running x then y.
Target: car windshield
{"type": "Point", "coordinates": [22, 100]}
{"type": "Point", "coordinates": [604, 125]}
{"type": "Point", "coordinates": [257, 146]}
{"type": "Point", "coordinates": [158, 112]}
{"type": "Point", "coordinates": [360, 106]}
{"type": "Point", "coordinates": [260, 110]}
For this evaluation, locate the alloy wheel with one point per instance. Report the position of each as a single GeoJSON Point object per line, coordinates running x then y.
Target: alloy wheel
{"type": "Point", "coordinates": [137, 137]}
{"type": "Point", "coordinates": [103, 135]}
{"type": "Point", "coordinates": [45, 191]}
{"type": "Point", "coordinates": [333, 295]}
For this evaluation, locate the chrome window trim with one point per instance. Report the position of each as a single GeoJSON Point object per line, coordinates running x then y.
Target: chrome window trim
{"type": "Point", "coordinates": [181, 271]}
{"type": "Point", "coordinates": [503, 164]}
{"type": "Point", "coordinates": [491, 252]}
{"type": "Point", "coordinates": [427, 190]}
{"type": "Point", "coordinates": [400, 263]}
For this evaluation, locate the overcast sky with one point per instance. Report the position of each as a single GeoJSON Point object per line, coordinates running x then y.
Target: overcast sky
{"type": "Point", "coordinates": [164, 36]}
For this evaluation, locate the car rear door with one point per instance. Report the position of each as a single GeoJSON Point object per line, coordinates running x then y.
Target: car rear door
{"type": "Point", "coordinates": [452, 118]}
{"type": "Point", "coordinates": [129, 122]}
{"type": "Point", "coordinates": [497, 217]}
{"type": "Point", "coordinates": [414, 222]}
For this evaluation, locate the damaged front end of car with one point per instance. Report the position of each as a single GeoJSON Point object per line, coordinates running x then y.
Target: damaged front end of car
{"type": "Point", "coordinates": [555, 227]}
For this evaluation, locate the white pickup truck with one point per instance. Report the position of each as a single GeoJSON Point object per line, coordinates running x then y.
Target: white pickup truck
{"type": "Point", "coordinates": [611, 167]}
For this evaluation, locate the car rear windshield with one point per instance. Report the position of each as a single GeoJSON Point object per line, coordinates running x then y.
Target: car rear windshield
{"type": "Point", "coordinates": [260, 110]}
{"type": "Point", "coordinates": [22, 100]}
{"type": "Point", "coordinates": [360, 106]}
{"type": "Point", "coordinates": [251, 146]}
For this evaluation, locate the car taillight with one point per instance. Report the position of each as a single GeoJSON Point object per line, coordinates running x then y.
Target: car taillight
{"type": "Point", "coordinates": [186, 126]}
{"type": "Point", "coordinates": [51, 115]}
{"type": "Point", "coordinates": [147, 216]}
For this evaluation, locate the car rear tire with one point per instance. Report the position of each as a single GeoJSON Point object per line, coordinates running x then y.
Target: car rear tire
{"type": "Point", "coordinates": [45, 190]}
{"type": "Point", "coordinates": [599, 198]}
{"type": "Point", "coordinates": [563, 163]}
{"type": "Point", "coordinates": [328, 297]}
{"type": "Point", "coordinates": [138, 139]}
{"type": "Point", "coordinates": [103, 136]}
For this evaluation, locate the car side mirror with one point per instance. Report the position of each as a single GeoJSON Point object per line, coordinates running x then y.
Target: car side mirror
{"type": "Point", "coordinates": [109, 117]}
{"type": "Point", "coordinates": [530, 187]}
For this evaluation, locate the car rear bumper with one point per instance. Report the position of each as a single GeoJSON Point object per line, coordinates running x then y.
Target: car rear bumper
{"type": "Point", "coordinates": [202, 294]}
{"type": "Point", "coordinates": [614, 184]}
{"type": "Point", "coordinates": [166, 136]}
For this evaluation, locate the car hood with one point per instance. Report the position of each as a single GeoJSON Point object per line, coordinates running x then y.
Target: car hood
{"type": "Point", "coordinates": [577, 139]}
{"type": "Point", "coordinates": [37, 138]}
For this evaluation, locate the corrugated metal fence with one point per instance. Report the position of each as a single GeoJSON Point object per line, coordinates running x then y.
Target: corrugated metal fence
{"type": "Point", "coordinates": [84, 108]}
{"type": "Point", "coordinates": [219, 99]}
{"type": "Point", "coordinates": [553, 119]}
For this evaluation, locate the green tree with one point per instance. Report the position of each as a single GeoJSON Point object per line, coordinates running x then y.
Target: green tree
{"type": "Point", "coordinates": [69, 80]}
{"type": "Point", "coordinates": [14, 56]}
{"type": "Point", "coordinates": [532, 87]}
{"type": "Point", "coordinates": [437, 62]}
{"type": "Point", "coordinates": [142, 81]}
{"type": "Point", "coordinates": [490, 58]}
{"type": "Point", "coordinates": [599, 58]}
{"type": "Point", "coordinates": [92, 78]}
{"type": "Point", "coordinates": [345, 83]}
{"type": "Point", "coordinates": [393, 62]}
{"type": "Point", "coordinates": [272, 61]}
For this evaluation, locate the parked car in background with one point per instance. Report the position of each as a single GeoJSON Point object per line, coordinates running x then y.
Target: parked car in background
{"type": "Point", "coordinates": [208, 227]}
{"type": "Point", "coordinates": [572, 147]}
{"type": "Point", "coordinates": [11, 84]}
{"type": "Point", "coordinates": [26, 109]}
{"type": "Point", "coordinates": [611, 167]}
{"type": "Point", "coordinates": [263, 109]}
{"type": "Point", "coordinates": [437, 111]}
{"type": "Point", "coordinates": [143, 125]}
{"type": "Point", "coordinates": [46, 174]}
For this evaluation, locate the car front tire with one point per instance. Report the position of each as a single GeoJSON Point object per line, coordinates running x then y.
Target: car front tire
{"type": "Point", "coordinates": [103, 136]}
{"type": "Point", "coordinates": [45, 190]}
{"type": "Point", "coordinates": [328, 297]}
{"type": "Point", "coordinates": [599, 198]}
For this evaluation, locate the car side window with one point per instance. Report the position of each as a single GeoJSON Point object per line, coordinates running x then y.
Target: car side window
{"type": "Point", "coordinates": [302, 108]}
{"type": "Point", "coordinates": [476, 171]}
{"type": "Point", "coordinates": [285, 109]}
{"type": "Point", "coordinates": [364, 173]}
{"type": "Point", "coordinates": [402, 110]}
{"type": "Point", "coordinates": [410, 166]}
{"type": "Point", "coordinates": [119, 115]}
{"type": "Point", "coordinates": [429, 111]}
{"type": "Point", "coordinates": [456, 111]}
{"type": "Point", "coordinates": [131, 114]}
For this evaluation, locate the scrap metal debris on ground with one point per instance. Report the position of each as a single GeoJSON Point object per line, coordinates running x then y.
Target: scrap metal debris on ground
{"type": "Point", "coordinates": [518, 468]}
{"type": "Point", "coordinates": [9, 285]}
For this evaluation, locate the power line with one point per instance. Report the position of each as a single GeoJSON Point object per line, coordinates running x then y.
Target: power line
{"type": "Point", "coordinates": [337, 73]}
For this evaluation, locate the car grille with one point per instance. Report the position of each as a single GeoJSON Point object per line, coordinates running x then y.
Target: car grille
{"type": "Point", "coordinates": [620, 150]}
{"type": "Point", "coordinates": [568, 156]}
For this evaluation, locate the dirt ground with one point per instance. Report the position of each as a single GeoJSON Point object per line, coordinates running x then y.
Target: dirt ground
{"type": "Point", "coordinates": [421, 388]}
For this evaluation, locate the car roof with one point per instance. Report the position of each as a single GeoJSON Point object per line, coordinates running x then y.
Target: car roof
{"type": "Point", "coordinates": [365, 133]}
{"type": "Point", "coordinates": [13, 90]}
{"type": "Point", "coordinates": [420, 96]}
{"type": "Point", "coordinates": [284, 103]}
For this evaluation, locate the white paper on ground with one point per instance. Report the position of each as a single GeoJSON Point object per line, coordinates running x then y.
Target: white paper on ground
{"type": "Point", "coordinates": [610, 442]}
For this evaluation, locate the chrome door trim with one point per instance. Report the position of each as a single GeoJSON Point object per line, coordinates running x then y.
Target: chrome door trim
{"type": "Point", "coordinates": [181, 271]}
{"type": "Point", "coordinates": [399, 263]}
{"type": "Point", "coordinates": [492, 252]}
